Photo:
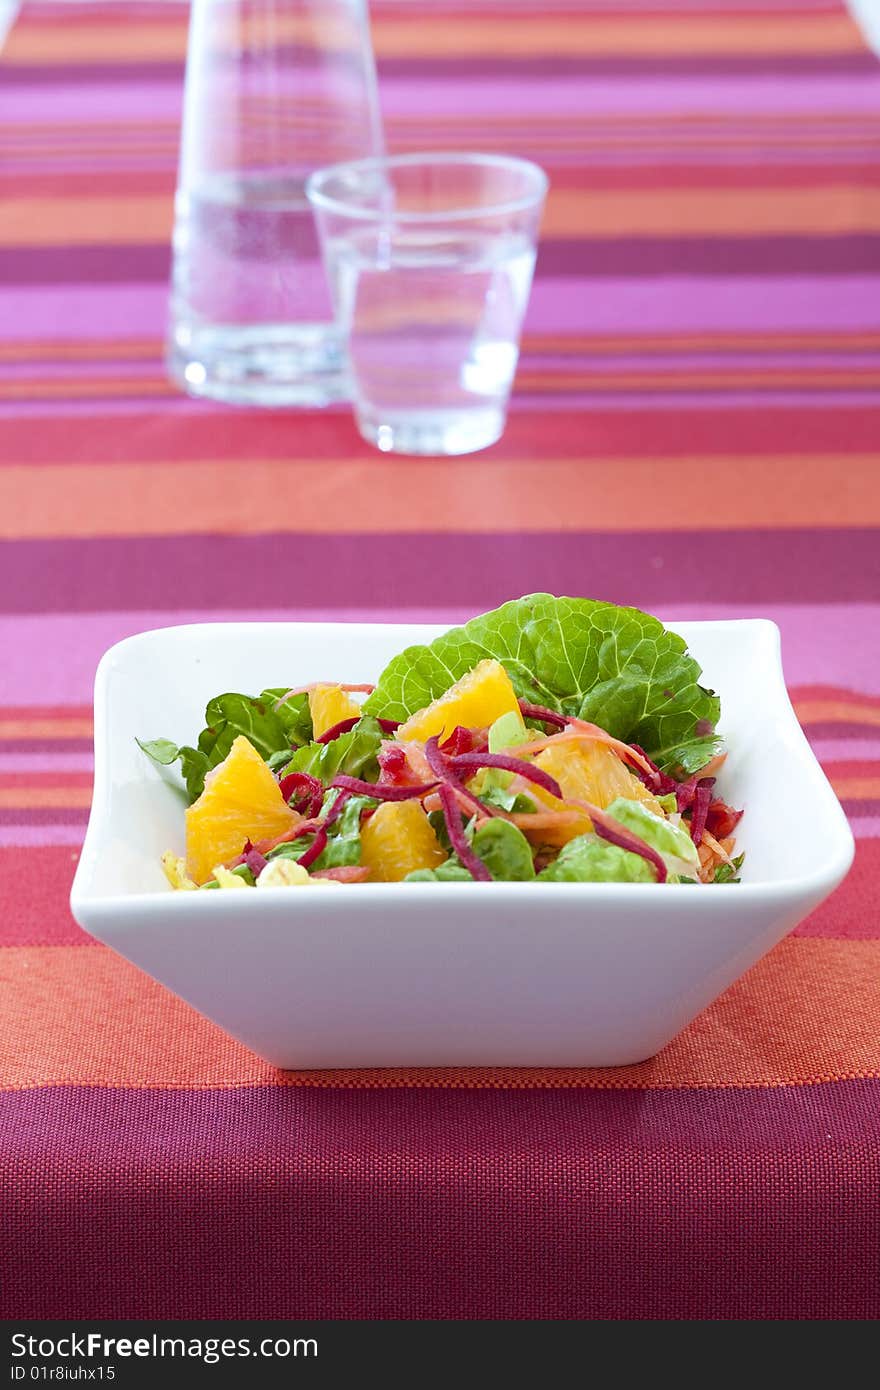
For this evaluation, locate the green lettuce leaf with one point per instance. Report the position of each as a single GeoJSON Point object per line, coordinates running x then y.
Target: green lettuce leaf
{"type": "Point", "coordinates": [619, 667]}
{"type": "Point", "coordinates": [729, 873]}
{"type": "Point", "coordinates": [354, 753]}
{"type": "Point", "coordinates": [344, 838]}
{"type": "Point", "coordinates": [672, 842]}
{"type": "Point", "coordinates": [270, 731]}
{"type": "Point", "coordinates": [450, 872]}
{"type": "Point", "coordinates": [193, 762]}
{"type": "Point", "coordinates": [587, 859]}
{"type": "Point", "coordinates": [502, 847]}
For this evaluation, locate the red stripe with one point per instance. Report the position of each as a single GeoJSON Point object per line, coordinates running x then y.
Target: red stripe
{"type": "Point", "coordinates": [228, 434]}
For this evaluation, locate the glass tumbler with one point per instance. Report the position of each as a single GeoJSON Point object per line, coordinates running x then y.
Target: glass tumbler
{"type": "Point", "coordinates": [430, 260]}
{"type": "Point", "coordinates": [274, 89]}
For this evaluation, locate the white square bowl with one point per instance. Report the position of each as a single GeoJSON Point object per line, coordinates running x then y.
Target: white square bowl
{"type": "Point", "coordinates": [447, 974]}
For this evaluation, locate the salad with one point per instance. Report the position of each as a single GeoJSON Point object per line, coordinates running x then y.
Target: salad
{"type": "Point", "coordinates": [553, 739]}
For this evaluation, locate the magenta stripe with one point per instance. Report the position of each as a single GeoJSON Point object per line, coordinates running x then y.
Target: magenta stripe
{"type": "Point", "coordinates": [590, 257]}
{"type": "Point", "coordinates": [101, 264]}
{"type": "Point", "coordinates": [521, 1181]}
{"type": "Point", "coordinates": [74, 817]}
{"type": "Point", "coordinates": [488, 66]}
{"type": "Point", "coordinates": [808, 566]}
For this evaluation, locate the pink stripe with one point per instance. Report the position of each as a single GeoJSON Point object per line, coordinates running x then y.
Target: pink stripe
{"type": "Point", "coordinates": [865, 827]}
{"type": "Point", "coordinates": [68, 312]}
{"type": "Point", "coordinates": [830, 750]}
{"type": "Point", "coordinates": [111, 368]}
{"type": "Point", "coordinates": [683, 96]}
{"type": "Point", "coordinates": [46, 762]}
{"type": "Point", "coordinates": [39, 836]}
{"type": "Point", "coordinates": [52, 659]}
{"type": "Point", "coordinates": [665, 304]}
{"type": "Point", "coordinates": [150, 101]}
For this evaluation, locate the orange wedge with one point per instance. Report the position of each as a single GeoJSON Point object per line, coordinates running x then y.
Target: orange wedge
{"type": "Point", "coordinates": [241, 801]}
{"type": "Point", "coordinates": [397, 839]}
{"type": "Point", "coordinates": [329, 705]}
{"type": "Point", "coordinates": [586, 772]}
{"type": "Point", "coordinates": [476, 701]}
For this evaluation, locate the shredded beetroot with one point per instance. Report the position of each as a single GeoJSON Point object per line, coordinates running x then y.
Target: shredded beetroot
{"type": "Point", "coordinates": [344, 726]}
{"type": "Point", "coordinates": [700, 809]}
{"type": "Point", "coordinates": [610, 830]}
{"type": "Point", "coordinates": [656, 781]}
{"type": "Point", "coordinates": [336, 809]}
{"type": "Point", "coordinates": [380, 791]}
{"type": "Point", "coordinates": [684, 794]}
{"type": "Point", "coordinates": [316, 848]}
{"type": "Point", "coordinates": [345, 873]}
{"type": "Point", "coordinates": [542, 713]}
{"type": "Point", "coordinates": [510, 764]}
{"type": "Point", "coordinates": [303, 792]}
{"type": "Point", "coordinates": [444, 769]}
{"type": "Point", "coordinates": [721, 819]}
{"type": "Point", "coordinates": [463, 740]}
{"type": "Point", "coordinates": [475, 866]}
{"type": "Point", "coordinates": [255, 861]}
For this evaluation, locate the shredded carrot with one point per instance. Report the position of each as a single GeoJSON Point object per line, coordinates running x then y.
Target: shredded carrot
{"type": "Point", "coordinates": [543, 820]}
{"type": "Point", "coordinates": [716, 848]}
{"type": "Point", "coordinates": [713, 765]}
{"type": "Point", "coordinates": [313, 685]}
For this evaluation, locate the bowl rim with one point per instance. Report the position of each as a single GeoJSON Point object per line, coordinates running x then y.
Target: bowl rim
{"type": "Point", "coordinates": [820, 882]}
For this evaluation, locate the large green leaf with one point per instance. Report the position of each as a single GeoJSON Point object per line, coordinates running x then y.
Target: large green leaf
{"type": "Point", "coordinates": [618, 667]}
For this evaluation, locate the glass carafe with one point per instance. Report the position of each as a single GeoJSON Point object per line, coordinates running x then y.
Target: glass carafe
{"type": "Point", "coordinates": [274, 90]}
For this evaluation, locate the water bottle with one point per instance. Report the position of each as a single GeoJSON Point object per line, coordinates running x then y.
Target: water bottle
{"type": "Point", "coordinates": [274, 90]}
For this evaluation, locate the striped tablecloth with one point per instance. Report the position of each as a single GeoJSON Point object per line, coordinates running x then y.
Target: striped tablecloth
{"type": "Point", "coordinates": [695, 430]}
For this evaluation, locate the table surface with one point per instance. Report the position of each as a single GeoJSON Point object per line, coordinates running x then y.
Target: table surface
{"type": "Point", "coordinates": [694, 430]}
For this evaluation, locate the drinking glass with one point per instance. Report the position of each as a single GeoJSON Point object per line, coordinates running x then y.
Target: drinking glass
{"type": "Point", "coordinates": [274, 89]}
{"type": "Point", "coordinates": [430, 260]}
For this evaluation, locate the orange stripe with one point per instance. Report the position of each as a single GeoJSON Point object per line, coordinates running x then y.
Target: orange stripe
{"type": "Point", "coordinates": [631, 36]}
{"type": "Point", "coordinates": [856, 788]}
{"type": "Point", "coordinates": [144, 349]}
{"type": "Point", "coordinates": [45, 728]}
{"type": "Point", "coordinates": [540, 381]}
{"type": "Point", "coordinates": [20, 798]}
{"type": "Point", "coordinates": [453, 494]}
{"type": "Point", "coordinates": [29, 780]}
{"type": "Point", "coordinates": [848, 378]}
{"type": "Point", "coordinates": [570, 212]}
{"type": "Point", "coordinates": [835, 712]}
{"type": "Point", "coordinates": [77, 389]}
{"type": "Point", "coordinates": [808, 1013]}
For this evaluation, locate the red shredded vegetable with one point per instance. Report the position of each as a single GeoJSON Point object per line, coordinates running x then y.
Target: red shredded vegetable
{"type": "Point", "coordinates": [344, 726]}
{"type": "Point", "coordinates": [303, 792]}
{"type": "Point", "coordinates": [700, 809]}
{"type": "Point", "coordinates": [542, 713]}
{"type": "Point", "coordinates": [474, 761]}
{"type": "Point", "coordinates": [444, 769]}
{"type": "Point", "coordinates": [451, 815]}
{"type": "Point", "coordinates": [379, 790]}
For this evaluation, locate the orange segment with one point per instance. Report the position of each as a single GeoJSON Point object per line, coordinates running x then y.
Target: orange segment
{"type": "Point", "coordinates": [476, 701]}
{"type": "Point", "coordinates": [396, 840]}
{"type": "Point", "coordinates": [587, 772]}
{"type": "Point", "coordinates": [329, 705]}
{"type": "Point", "coordinates": [241, 801]}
